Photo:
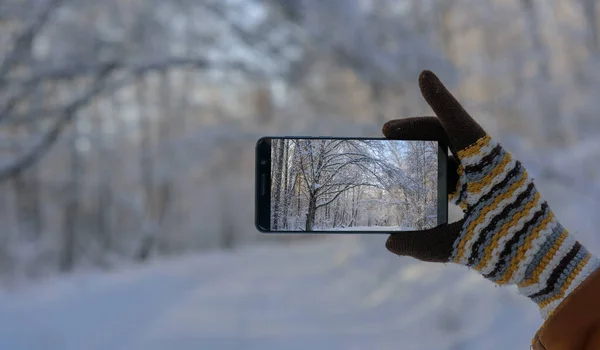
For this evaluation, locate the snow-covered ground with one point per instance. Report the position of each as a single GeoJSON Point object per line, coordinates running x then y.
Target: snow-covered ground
{"type": "Point", "coordinates": [342, 292]}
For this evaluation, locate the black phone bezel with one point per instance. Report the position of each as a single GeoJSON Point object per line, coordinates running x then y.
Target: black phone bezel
{"type": "Point", "coordinates": [262, 216]}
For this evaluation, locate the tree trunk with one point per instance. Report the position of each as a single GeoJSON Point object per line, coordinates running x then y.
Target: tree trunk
{"type": "Point", "coordinates": [589, 11]}
{"type": "Point", "coordinates": [442, 10]}
{"type": "Point", "coordinates": [104, 190]}
{"type": "Point", "coordinates": [163, 189]}
{"type": "Point", "coordinates": [286, 191]}
{"type": "Point", "coordinates": [27, 185]}
{"type": "Point", "coordinates": [146, 171]}
{"type": "Point", "coordinates": [311, 213]}
{"type": "Point", "coordinates": [71, 210]}
{"type": "Point", "coordinates": [549, 105]}
{"type": "Point", "coordinates": [27, 189]}
{"type": "Point", "coordinates": [276, 186]}
{"type": "Point", "coordinates": [377, 100]}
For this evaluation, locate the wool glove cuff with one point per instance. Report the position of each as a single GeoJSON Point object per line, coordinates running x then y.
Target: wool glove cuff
{"type": "Point", "coordinates": [508, 233]}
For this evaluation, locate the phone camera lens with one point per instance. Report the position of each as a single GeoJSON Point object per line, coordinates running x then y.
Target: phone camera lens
{"type": "Point", "coordinates": [263, 162]}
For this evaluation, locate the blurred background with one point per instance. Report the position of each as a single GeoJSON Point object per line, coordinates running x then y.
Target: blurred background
{"type": "Point", "coordinates": [127, 132]}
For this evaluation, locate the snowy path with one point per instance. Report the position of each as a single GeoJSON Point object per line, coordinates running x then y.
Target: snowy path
{"type": "Point", "coordinates": [332, 294]}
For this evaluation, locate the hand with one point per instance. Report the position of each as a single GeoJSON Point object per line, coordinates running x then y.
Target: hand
{"type": "Point", "coordinates": [508, 233]}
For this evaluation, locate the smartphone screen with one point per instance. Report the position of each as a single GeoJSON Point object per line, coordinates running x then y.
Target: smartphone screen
{"type": "Point", "coordinates": [349, 185]}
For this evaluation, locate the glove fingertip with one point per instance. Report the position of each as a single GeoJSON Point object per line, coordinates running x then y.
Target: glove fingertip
{"type": "Point", "coordinates": [393, 245]}
{"type": "Point", "coordinates": [433, 245]}
{"type": "Point", "coordinates": [389, 127]}
{"type": "Point", "coordinates": [427, 76]}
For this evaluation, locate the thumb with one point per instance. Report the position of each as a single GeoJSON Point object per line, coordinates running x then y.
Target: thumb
{"type": "Point", "coordinates": [433, 245]}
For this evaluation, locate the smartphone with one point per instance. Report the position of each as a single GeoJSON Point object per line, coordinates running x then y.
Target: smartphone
{"type": "Point", "coordinates": [350, 185]}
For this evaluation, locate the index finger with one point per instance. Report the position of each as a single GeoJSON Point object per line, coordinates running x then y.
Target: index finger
{"type": "Point", "coordinates": [460, 127]}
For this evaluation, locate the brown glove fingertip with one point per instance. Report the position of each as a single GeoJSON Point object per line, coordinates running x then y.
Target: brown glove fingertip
{"type": "Point", "coordinates": [433, 245]}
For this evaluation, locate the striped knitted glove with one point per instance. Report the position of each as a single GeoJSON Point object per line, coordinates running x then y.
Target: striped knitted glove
{"type": "Point", "coordinates": [508, 233]}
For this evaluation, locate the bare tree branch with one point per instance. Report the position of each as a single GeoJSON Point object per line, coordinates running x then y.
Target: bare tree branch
{"type": "Point", "coordinates": [52, 135]}
{"type": "Point", "coordinates": [348, 187]}
{"type": "Point", "coordinates": [27, 35]}
{"type": "Point", "coordinates": [17, 53]}
{"type": "Point", "coordinates": [85, 68]}
{"type": "Point", "coordinates": [133, 70]}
